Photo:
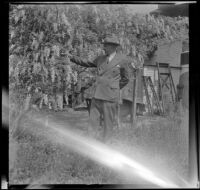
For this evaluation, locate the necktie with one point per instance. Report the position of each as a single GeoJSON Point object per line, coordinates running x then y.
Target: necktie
{"type": "Point", "coordinates": [107, 59]}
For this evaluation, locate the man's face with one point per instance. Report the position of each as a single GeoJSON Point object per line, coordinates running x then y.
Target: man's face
{"type": "Point", "coordinates": [109, 48]}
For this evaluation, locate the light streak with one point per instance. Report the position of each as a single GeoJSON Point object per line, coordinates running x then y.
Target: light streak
{"type": "Point", "coordinates": [5, 108]}
{"type": "Point", "coordinates": [100, 152]}
{"type": "Point", "coordinates": [4, 183]}
{"type": "Point", "coordinates": [103, 154]}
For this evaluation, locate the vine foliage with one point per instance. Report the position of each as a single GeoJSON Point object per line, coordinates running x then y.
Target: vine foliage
{"type": "Point", "coordinates": [39, 33]}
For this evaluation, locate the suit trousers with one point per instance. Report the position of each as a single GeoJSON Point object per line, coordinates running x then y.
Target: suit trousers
{"type": "Point", "coordinates": [107, 109]}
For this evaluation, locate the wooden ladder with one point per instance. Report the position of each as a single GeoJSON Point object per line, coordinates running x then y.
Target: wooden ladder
{"type": "Point", "coordinates": [156, 99]}
{"type": "Point", "coordinates": [147, 81]}
{"type": "Point", "coordinates": [163, 82]}
{"type": "Point", "coordinates": [147, 95]}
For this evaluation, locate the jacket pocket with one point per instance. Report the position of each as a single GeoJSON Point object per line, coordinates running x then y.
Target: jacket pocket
{"type": "Point", "coordinates": [114, 85]}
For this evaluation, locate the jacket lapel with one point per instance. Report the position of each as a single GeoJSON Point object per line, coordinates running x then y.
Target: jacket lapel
{"type": "Point", "coordinates": [113, 62]}
{"type": "Point", "coordinates": [103, 65]}
{"type": "Point", "coordinates": [107, 66]}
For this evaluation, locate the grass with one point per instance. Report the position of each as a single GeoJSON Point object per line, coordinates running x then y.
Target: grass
{"type": "Point", "coordinates": [156, 142]}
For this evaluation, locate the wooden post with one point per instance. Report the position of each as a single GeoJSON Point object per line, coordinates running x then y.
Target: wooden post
{"type": "Point", "coordinates": [160, 89]}
{"type": "Point", "coordinates": [73, 94]}
{"type": "Point", "coordinates": [135, 84]}
{"type": "Point", "coordinates": [118, 111]}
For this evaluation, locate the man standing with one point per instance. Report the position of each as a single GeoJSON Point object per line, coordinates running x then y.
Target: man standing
{"type": "Point", "coordinates": [112, 75]}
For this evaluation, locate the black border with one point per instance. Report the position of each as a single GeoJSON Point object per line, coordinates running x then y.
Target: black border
{"type": "Point", "coordinates": [4, 83]}
{"type": "Point", "coordinates": [194, 93]}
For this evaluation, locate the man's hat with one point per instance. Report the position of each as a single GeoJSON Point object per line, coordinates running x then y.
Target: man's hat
{"type": "Point", "coordinates": [111, 40]}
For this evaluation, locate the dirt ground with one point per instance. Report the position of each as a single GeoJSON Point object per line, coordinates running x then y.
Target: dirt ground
{"type": "Point", "coordinates": [160, 143]}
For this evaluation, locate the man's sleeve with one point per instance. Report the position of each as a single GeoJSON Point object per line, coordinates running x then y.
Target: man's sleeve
{"type": "Point", "coordinates": [124, 78]}
{"type": "Point", "coordinates": [124, 73]}
{"type": "Point", "coordinates": [83, 62]}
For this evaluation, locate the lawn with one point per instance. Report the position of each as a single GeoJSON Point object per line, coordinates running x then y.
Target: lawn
{"type": "Point", "coordinates": [160, 143]}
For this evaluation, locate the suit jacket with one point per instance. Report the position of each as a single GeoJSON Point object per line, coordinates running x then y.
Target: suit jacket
{"type": "Point", "coordinates": [111, 76]}
{"type": "Point", "coordinates": [127, 91]}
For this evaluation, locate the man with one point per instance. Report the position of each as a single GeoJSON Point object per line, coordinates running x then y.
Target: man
{"type": "Point", "coordinates": [112, 75]}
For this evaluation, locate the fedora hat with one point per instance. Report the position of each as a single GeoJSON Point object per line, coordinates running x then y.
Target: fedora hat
{"type": "Point", "coordinates": [111, 40]}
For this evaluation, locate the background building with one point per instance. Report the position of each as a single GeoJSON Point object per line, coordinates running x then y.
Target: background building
{"type": "Point", "coordinates": [172, 10]}
{"type": "Point", "coordinates": [174, 54]}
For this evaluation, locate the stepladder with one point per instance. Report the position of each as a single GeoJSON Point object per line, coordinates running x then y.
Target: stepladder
{"type": "Point", "coordinates": [165, 83]}
{"type": "Point", "coordinates": [152, 104]}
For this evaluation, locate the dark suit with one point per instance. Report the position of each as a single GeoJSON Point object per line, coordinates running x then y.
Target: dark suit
{"type": "Point", "coordinates": [111, 77]}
